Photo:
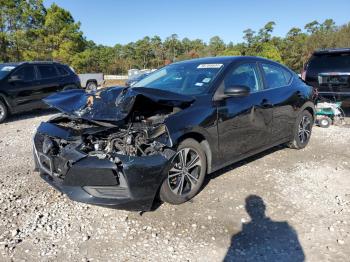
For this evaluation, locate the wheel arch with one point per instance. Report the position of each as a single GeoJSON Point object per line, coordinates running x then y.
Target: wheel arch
{"type": "Point", "coordinates": [200, 138]}
{"type": "Point", "coordinates": [310, 107]}
{"type": "Point", "coordinates": [91, 81]}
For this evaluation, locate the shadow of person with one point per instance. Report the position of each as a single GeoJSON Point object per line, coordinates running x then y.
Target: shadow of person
{"type": "Point", "coordinates": [263, 239]}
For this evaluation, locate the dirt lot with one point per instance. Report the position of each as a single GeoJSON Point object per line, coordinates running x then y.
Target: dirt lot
{"type": "Point", "coordinates": [306, 195]}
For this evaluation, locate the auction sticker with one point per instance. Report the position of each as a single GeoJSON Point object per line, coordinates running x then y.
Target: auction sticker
{"type": "Point", "coordinates": [210, 66]}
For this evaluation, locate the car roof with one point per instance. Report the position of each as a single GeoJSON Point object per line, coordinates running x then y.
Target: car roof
{"type": "Point", "coordinates": [332, 51]}
{"type": "Point", "coordinates": [224, 59]}
{"type": "Point", "coordinates": [31, 62]}
{"type": "Point", "coordinates": [10, 64]}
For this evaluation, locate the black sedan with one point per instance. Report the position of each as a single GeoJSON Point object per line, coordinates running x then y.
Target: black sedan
{"type": "Point", "coordinates": [124, 147]}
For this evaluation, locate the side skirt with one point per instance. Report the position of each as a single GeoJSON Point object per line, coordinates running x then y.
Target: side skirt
{"type": "Point", "coordinates": [249, 154]}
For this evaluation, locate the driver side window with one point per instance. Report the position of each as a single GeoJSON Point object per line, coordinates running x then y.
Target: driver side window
{"type": "Point", "coordinates": [244, 75]}
{"type": "Point", "coordinates": [25, 73]}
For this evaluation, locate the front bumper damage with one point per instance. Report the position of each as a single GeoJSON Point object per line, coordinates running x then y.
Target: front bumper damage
{"type": "Point", "coordinates": [129, 182]}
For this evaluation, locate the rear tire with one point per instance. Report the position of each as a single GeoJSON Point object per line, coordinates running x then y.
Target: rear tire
{"type": "Point", "coordinates": [183, 182]}
{"type": "Point", "coordinates": [3, 111]}
{"type": "Point", "coordinates": [302, 130]}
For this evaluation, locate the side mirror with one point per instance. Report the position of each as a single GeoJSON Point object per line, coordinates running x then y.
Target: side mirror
{"type": "Point", "coordinates": [237, 91]}
{"type": "Point", "coordinates": [15, 78]}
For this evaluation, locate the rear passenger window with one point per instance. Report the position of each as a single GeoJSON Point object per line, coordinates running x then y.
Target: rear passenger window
{"type": "Point", "coordinates": [25, 73]}
{"type": "Point", "coordinates": [62, 71]}
{"type": "Point", "coordinates": [276, 76]}
{"type": "Point", "coordinates": [47, 71]}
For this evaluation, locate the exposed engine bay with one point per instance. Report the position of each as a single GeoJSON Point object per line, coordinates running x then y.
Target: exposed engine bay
{"type": "Point", "coordinates": [142, 136]}
{"type": "Point", "coordinates": [136, 140]}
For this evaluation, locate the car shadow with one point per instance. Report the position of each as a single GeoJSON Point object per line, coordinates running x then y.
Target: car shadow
{"type": "Point", "coordinates": [31, 114]}
{"type": "Point", "coordinates": [262, 239]}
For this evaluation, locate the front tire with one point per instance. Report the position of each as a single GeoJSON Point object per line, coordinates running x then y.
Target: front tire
{"type": "Point", "coordinates": [186, 176]}
{"type": "Point", "coordinates": [302, 130]}
{"type": "Point", "coordinates": [3, 111]}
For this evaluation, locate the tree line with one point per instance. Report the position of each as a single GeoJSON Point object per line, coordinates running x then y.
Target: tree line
{"type": "Point", "coordinates": [29, 31]}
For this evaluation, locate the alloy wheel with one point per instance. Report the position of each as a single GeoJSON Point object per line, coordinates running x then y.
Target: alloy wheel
{"type": "Point", "coordinates": [185, 172]}
{"type": "Point", "coordinates": [304, 131]}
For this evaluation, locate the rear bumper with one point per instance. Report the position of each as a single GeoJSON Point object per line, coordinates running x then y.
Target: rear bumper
{"type": "Point", "coordinates": [131, 183]}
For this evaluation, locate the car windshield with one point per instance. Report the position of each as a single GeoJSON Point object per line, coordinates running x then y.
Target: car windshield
{"type": "Point", "coordinates": [340, 62]}
{"type": "Point", "coordinates": [183, 78]}
{"type": "Point", "coordinates": [5, 70]}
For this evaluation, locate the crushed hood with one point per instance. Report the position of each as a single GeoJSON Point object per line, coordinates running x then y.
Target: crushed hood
{"type": "Point", "coordinates": [112, 104]}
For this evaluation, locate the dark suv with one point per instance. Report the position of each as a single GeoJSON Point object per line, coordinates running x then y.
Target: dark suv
{"type": "Point", "coordinates": [328, 70]}
{"type": "Point", "coordinates": [24, 85]}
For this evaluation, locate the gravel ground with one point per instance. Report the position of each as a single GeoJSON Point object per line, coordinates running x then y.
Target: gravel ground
{"type": "Point", "coordinates": [305, 193]}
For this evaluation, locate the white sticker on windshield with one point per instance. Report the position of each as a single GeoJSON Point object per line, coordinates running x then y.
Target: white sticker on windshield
{"type": "Point", "coordinates": [198, 84]}
{"type": "Point", "coordinates": [206, 80]}
{"type": "Point", "coordinates": [7, 68]}
{"type": "Point", "coordinates": [210, 66]}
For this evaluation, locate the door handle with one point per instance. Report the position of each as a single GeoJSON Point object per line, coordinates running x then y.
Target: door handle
{"type": "Point", "coordinates": [265, 104]}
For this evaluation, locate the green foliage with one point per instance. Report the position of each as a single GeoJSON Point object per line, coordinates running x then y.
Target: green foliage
{"type": "Point", "coordinates": [20, 26]}
{"type": "Point", "coordinates": [62, 36]}
{"type": "Point", "coordinates": [29, 31]}
{"type": "Point", "coordinates": [265, 32]}
{"type": "Point", "coordinates": [230, 52]}
{"type": "Point", "coordinates": [216, 45]}
{"type": "Point", "coordinates": [269, 51]}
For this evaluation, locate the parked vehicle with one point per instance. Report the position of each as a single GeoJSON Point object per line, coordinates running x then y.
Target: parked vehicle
{"type": "Point", "coordinates": [122, 147]}
{"type": "Point", "coordinates": [328, 70]}
{"type": "Point", "coordinates": [91, 81]}
{"type": "Point", "coordinates": [24, 85]}
{"type": "Point", "coordinates": [133, 80]}
{"type": "Point", "coordinates": [329, 113]}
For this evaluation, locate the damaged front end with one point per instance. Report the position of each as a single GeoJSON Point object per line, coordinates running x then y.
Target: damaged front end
{"type": "Point", "coordinates": [110, 148]}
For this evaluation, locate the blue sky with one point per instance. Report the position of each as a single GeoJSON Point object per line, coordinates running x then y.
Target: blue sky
{"type": "Point", "coordinates": [121, 21]}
